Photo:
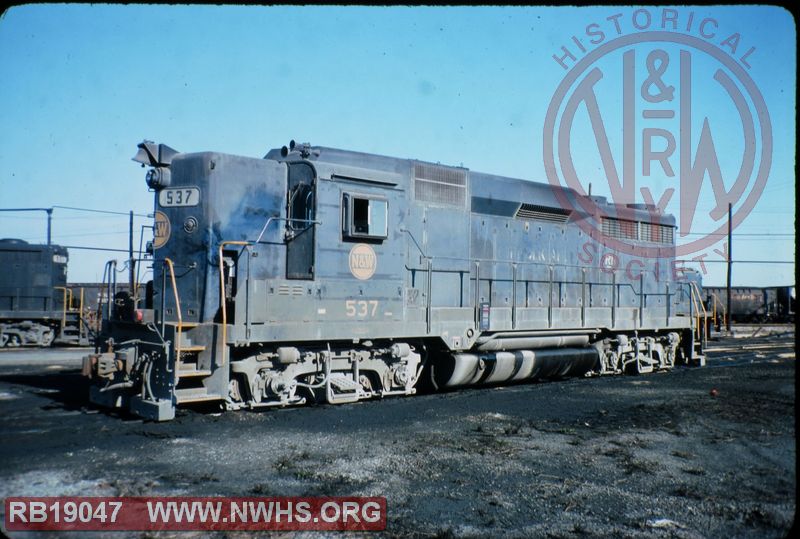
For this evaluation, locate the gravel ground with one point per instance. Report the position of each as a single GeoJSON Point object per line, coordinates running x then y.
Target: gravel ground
{"type": "Point", "coordinates": [649, 456]}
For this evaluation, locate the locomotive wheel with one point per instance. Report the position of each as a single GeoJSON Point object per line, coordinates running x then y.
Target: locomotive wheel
{"type": "Point", "coordinates": [609, 363]}
{"type": "Point", "coordinates": [312, 397]}
{"type": "Point", "coordinates": [48, 337]}
{"type": "Point", "coordinates": [234, 392]}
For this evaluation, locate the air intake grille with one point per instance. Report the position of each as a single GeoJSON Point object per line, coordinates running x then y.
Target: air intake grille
{"type": "Point", "coordinates": [287, 290]}
{"type": "Point", "coordinates": [656, 233]}
{"type": "Point", "coordinates": [620, 229]}
{"type": "Point", "coordinates": [440, 185]}
{"type": "Point", "coordinates": [543, 213]}
{"type": "Point", "coordinates": [637, 230]}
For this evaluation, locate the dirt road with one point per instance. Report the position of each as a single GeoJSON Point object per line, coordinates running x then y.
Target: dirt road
{"type": "Point", "coordinates": [649, 456]}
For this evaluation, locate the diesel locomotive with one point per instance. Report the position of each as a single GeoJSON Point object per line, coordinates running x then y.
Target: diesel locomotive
{"type": "Point", "coordinates": [37, 307]}
{"type": "Point", "coordinates": [322, 275]}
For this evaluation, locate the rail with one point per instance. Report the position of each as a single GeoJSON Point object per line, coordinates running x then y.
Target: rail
{"type": "Point", "coordinates": [223, 298]}
{"type": "Point", "coordinates": [109, 288]}
{"type": "Point", "coordinates": [243, 243]}
{"type": "Point", "coordinates": [66, 303]}
{"type": "Point", "coordinates": [697, 301]}
{"type": "Point", "coordinates": [715, 301]}
{"type": "Point", "coordinates": [179, 329]}
{"type": "Point", "coordinates": [281, 219]}
{"type": "Point", "coordinates": [586, 286]}
{"type": "Point", "coordinates": [554, 285]}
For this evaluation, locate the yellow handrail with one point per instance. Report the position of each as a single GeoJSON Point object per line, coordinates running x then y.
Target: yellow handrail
{"type": "Point", "coordinates": [222, 296]}
{"type": "Point", "coordinates": [694, 289]}
{"type": "Point", "coordinates": [168, 262]}
{"type": "Point", "coordinates": [64, 305]}
{"type": "Point", "coordinates": [80, 317]}
{"type": "Point", "coordinates": [697, 289]}
{"type": "Point", "coordinates": [696, 309]}
{"type": "Point", "coordinates": [724, 309]}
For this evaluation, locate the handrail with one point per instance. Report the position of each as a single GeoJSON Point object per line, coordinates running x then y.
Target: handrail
{"type": "Point", "coordinates": [99, 313]}
{"type": "Point", "coordinates": [168, 263]}
{"type": "Point", "coordinates": [64, 304]}
{"type": "Point", "coordinates": [704, 334]}
{"type": "Point", "coordinates": [223, 300]}
{"type": "Point", "coordinates": [641, 293]}
{"type": "Point", "coordinates": [278, 219]}
{"type": "Point", "coordinates": [545, 265]}
{"type": "Point", "coordinates": [416, 244]}
{"type": "Point", "coordinates": [80, 317]}
{"type": "Point", "coordinates": [694, 289]}
{"type": "Point", "coordinates": [724, 309]}
{"type": "Point", "coordinates": [696, 309]}
{"type": "Point", "coordinates": [530, 263]}
{"type": "Point", "coordinates": [111, 271]}
{"type": "Point", "coordinates": [520, 262]}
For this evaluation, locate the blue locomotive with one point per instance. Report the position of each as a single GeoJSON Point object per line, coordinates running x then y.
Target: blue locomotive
{"type": "Point", "coordinates": [318, 274]}
{"type": "Point", "coordinates": [37, 307]}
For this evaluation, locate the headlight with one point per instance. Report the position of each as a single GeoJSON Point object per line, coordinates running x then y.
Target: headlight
{"type": "Point", "coordinates": [157, 178]}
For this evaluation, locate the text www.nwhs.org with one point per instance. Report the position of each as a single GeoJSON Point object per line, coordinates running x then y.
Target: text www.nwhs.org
{"type": "Point", "coordinates": [192, 513]}
{"type": "Point", "coordinates": [250, 511]}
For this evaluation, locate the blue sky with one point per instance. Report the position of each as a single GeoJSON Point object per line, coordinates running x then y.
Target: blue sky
{"type": "Point", "coordinates": [83, 84]}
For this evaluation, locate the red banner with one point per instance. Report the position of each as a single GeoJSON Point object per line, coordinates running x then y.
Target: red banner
{"type": "Point", "coordinates": [181, 513]}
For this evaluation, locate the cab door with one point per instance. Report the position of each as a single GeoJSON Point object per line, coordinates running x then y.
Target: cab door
{"type": "Point", "coordinates": [300, 216]}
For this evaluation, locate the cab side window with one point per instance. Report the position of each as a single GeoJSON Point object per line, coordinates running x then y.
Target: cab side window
{"type": "Point", "coordinates": [365, 216]}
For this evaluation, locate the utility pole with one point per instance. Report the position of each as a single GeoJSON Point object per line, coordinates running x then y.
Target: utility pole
{"type": "Point", "coordinates": [49, 224]}
{"type": "Point", "coordinates": [131, 273]}
{"type": "Point", "coordinates": [730, 263]}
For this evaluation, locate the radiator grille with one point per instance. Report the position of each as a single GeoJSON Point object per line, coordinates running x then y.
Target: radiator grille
{"type": "Point", "coordinates": [440, 185]}
{"type": "Point", "coordinates": [656, 233]}
{"type": "Point", "coordinates": [620, 229]}
{"type": "Point", "coordinates": [637, 230]}
{"type": "Point", "coordinates": [543, 213]}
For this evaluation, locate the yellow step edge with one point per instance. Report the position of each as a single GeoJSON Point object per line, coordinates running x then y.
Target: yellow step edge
{"type": "Point", "coordinates": [189, 373]}
{"type": "Point", "coordinates": [183, 399]}
{"type": "Point", "coordinates": [184, 325]}
{"type": "Point", "coordinates": [193, 348]}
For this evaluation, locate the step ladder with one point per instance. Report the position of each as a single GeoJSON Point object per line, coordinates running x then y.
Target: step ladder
{"type": "Point", "coordinates": [189, 375]}
{"type": "Point", "coordinates": [699, 334]}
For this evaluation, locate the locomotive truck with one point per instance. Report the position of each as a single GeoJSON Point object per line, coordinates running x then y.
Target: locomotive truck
{"type": "Point", "coordinates": [322, 275]}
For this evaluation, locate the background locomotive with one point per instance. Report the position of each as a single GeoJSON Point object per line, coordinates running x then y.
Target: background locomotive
{"type": "Point", "coordinates": [322, 274]}
{"type": "Point", "coordinates": [752, 304]}
{"type": "Point", "coordinates": [36, 306]}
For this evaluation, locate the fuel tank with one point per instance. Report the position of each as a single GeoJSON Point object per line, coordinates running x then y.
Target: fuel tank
{"type": "Point", "coordinates": [485, 368]}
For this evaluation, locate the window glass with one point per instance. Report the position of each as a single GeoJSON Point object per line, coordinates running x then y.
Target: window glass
{"type": "Point", "coordinates": [378, 210]}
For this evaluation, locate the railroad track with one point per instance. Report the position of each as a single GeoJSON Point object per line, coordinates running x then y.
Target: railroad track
{"type": "Point", "coordinates": [730, 353]}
